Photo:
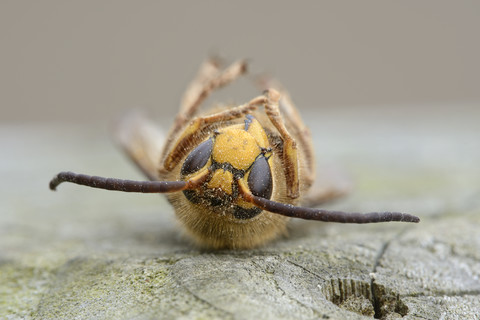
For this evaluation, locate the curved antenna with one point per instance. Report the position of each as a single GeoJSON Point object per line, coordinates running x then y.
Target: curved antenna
{"type": "Point", "coordinates": [323, 215]}
{"type": "Point", "coordinates": [128, 185]}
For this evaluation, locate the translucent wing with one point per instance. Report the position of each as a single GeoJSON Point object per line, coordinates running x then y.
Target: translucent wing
{"type": "Point", "coordinates": [142, 141]}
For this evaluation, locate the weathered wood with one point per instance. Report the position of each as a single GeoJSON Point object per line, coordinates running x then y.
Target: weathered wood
{"type": "Point", "coordinates": [85, 253]}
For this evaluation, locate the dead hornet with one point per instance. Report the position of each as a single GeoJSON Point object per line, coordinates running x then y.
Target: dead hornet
{"type": "Point", "coordinates": [234, 175]}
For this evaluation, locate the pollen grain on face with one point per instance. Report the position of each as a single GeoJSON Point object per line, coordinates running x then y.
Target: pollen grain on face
{"type": "Point", "coordinates": [222, 179]}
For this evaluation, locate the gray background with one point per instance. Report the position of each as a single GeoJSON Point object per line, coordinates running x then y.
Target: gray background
{"type": "Point", "coordinates": [87, 61]}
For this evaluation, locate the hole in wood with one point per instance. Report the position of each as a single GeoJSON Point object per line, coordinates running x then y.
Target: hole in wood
{"type": "Point", "coordinates": [365, 298]}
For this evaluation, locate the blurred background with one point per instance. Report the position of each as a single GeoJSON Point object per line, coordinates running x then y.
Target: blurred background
{"type": "Point", "coordinates": [88, 61]}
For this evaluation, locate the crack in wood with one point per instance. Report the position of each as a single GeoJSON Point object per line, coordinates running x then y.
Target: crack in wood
{"type": "Point", "coordinates": [208, 303]}
{"type": "Point", "coordinates": [375, 299]}
{"type": "Point", "coordinates": [439, 294]}
{"type": "Point", "coordinates": [308, 270]}
{"type": "Point", "coordinates": [378, 301]}
{"type": "Point", "coordinates": [279, 288]}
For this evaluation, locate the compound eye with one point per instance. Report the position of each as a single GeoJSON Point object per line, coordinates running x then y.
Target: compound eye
{"type": "Point", "coordinates": [260, 178]}
{"type": "Point", "coordinates": [198, 158]}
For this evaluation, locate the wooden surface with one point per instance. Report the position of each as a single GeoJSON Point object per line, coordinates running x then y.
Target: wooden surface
{"type": "Point", "coordinates": [85, 253]}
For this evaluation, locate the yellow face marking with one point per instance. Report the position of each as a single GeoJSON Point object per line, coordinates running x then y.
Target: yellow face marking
{"type": "Point", "coordinates": [257, 132]}
{"type": "Point", "coordinates": [222, 179]}
{"type": "Point", "coordinates": [236, 147]}
{"type": "Point", "coordinates": [244, 204]}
